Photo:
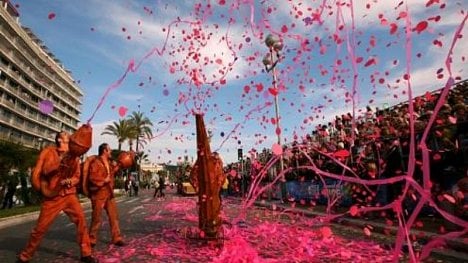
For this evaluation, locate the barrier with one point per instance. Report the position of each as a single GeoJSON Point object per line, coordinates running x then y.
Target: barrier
{"type": "Point", "coordinates": [312, 191]}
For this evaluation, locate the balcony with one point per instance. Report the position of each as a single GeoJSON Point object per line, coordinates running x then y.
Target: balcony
{"type": "Point", "coordinates": [21, 112]}
{"type": "Point", "coordinates": [24, 127]}
{"type": "Point", "coordinates": [18, 78]}
{"type": "Point", "coordinates": [35, 64]}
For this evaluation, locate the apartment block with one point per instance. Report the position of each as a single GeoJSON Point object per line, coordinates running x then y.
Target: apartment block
{"type": "Point", "coordinates": [29, 76]}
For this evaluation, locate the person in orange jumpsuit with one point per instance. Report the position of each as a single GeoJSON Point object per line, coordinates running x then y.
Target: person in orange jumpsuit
{"type": "Point", "coordinates": [101, 190]}
{"type": "Point", "coordinates": [56, 175]}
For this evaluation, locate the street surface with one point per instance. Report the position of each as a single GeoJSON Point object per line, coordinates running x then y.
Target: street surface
{"type": "Point", "coordinates": [165, 230]}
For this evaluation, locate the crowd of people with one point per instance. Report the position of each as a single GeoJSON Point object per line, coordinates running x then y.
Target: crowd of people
{"type": "Point", "coordinates": [375, 146]}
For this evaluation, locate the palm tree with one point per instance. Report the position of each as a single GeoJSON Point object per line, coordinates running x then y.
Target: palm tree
{"type": "Point", "coordinates": [123, 130]}
{"type": "Point", "coordinates": [143, 156]}
{"type": "Point", "coordinates": [143, 127]}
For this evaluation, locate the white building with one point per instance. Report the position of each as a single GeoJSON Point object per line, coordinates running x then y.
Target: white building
{"type": "Point", "coordinates": [29, 75]}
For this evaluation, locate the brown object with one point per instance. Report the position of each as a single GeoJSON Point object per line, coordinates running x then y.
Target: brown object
{"type": "Point", "coordinates": [207, 174]}
{"type": "Point", "coordinates": [126, 159]}
{"type": "Point", "coordinates": [47, 165]}
{"type": "Point", "coordinates": [81, 140]}
{"type": "Point", "coordinates": [50, 188]}
{"type": "Point", "coordinates": [85, 174]}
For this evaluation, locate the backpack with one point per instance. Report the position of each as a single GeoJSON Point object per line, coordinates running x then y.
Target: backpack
{"type": "Point", "coordinates": [84, 184]}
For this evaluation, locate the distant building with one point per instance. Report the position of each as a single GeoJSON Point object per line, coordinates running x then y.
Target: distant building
{"type": "Point", "coordinates": [30, 75]}
{"type": "Point", "coordinates": [152, 167]}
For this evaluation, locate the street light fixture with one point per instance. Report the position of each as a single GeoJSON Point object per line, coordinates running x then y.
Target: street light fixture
{"type": "Point", "coordinates": [275, 46]}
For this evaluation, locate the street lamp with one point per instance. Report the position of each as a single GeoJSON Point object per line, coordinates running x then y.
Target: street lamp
{"type": "Point", "coordinates": [275, 46]}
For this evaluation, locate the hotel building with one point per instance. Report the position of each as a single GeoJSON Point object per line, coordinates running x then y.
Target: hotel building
{"type": "Point", "coordinates": [29, 76]}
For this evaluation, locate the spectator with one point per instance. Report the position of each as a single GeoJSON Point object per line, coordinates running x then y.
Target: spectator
{"type": "Point", "coordinates": [11, 189]}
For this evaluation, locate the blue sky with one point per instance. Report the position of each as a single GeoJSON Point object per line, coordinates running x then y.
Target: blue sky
{"type": "Point", "coordinates": [98, 40]}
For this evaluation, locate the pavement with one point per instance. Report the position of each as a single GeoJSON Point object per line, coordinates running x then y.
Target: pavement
{"type": "Point", "coordinates": [18, 219]}
{"type": "Point", "coordinates": [456, 248]}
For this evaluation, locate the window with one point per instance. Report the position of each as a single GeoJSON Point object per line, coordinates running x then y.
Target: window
{"type": "Point", "coordinates": [15, 134]}
{"type": "Point", "coordinates": [30, 125]}
{"type": "Point", "coordinates": [3, 77]}
{"type": "Point", "coordinates": [11, 99]}
{"type": "Point", "coordinates": [34, 98]}
{"type": "Point", "coordinates": [4, 61]}
{"type": "Point", "coordinates": [23, 107]}
{"type": "Point", "coordinates": [19, 120]}
{"type": "Point", "coordinates": [14, 84]}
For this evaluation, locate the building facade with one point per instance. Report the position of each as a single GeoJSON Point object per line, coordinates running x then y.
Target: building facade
{"type": "Point", "coordinates": [151, 167]}
{"type": "Point", "coordinates": [30, 76]}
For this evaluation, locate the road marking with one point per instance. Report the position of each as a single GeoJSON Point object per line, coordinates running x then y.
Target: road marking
{"type": "Point", "coordinates": [131, 200]}
{"type": "Point", "coordinates": [135, 209]}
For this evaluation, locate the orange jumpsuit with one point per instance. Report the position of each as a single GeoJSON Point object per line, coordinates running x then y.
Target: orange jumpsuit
{"type": "Point", "coordinates": [102, 197]}
{"type": "Point", "coordinates": [57, 198]}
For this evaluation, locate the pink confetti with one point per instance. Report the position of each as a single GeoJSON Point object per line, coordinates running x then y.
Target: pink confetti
{"type": "Point", "coordinates": [326, 232]}
{"type": "Point", "coordinates": [449, 198]}
{"type": "Point", "coordinates": [431, 2]}
{"type": "Point", "coordinates": [452, 120]}
{"type": "Point", "coordinates": [371, 61]}
{"type": "Point", "coordinates": [277, 149]}
{"type": "Point", "coordinates": [367, 231]}
{"type": "Point", "coordinates": [421, 26]}
{"type": "Point", "coordinates": [259, 87]}
{"type": "Point", "coordinates": [273, 91]}
{"type": "Point", "coordinates": [51, 16]}
{"type": "Point", "coordinates": [353, 211]}
{"type": "Point", "coordinates": [123, 111]}
{"type": "Point", "coordinates": [393, 28]}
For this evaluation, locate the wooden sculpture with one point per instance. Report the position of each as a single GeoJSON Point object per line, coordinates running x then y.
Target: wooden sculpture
{"type": "Point", "coordinates": [207, 178]}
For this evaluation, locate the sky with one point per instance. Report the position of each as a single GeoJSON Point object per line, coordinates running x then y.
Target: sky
{"type": "Point", "coordinates": [169, 59]}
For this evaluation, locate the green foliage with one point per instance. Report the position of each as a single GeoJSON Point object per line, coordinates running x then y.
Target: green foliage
{"type": "Point", "coordinates": [119, 182]}
{"type": "Point", "coordinates": [18, 210]}
{"type": "Point", "coordinates": [15, 156]}
{"type": "Point", "coordinates": [162, 173]}
{"type": "Point", "coordinates": [123, 130]}
{"type": "Point", "coordinates": [143, 126]}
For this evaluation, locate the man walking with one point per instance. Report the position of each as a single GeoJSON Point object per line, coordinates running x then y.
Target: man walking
{"type": "Point", "coordinates": [101, 189]}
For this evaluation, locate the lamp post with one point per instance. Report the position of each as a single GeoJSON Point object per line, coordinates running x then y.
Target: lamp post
{"type": "Point", "coordinates": [275, 46]}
